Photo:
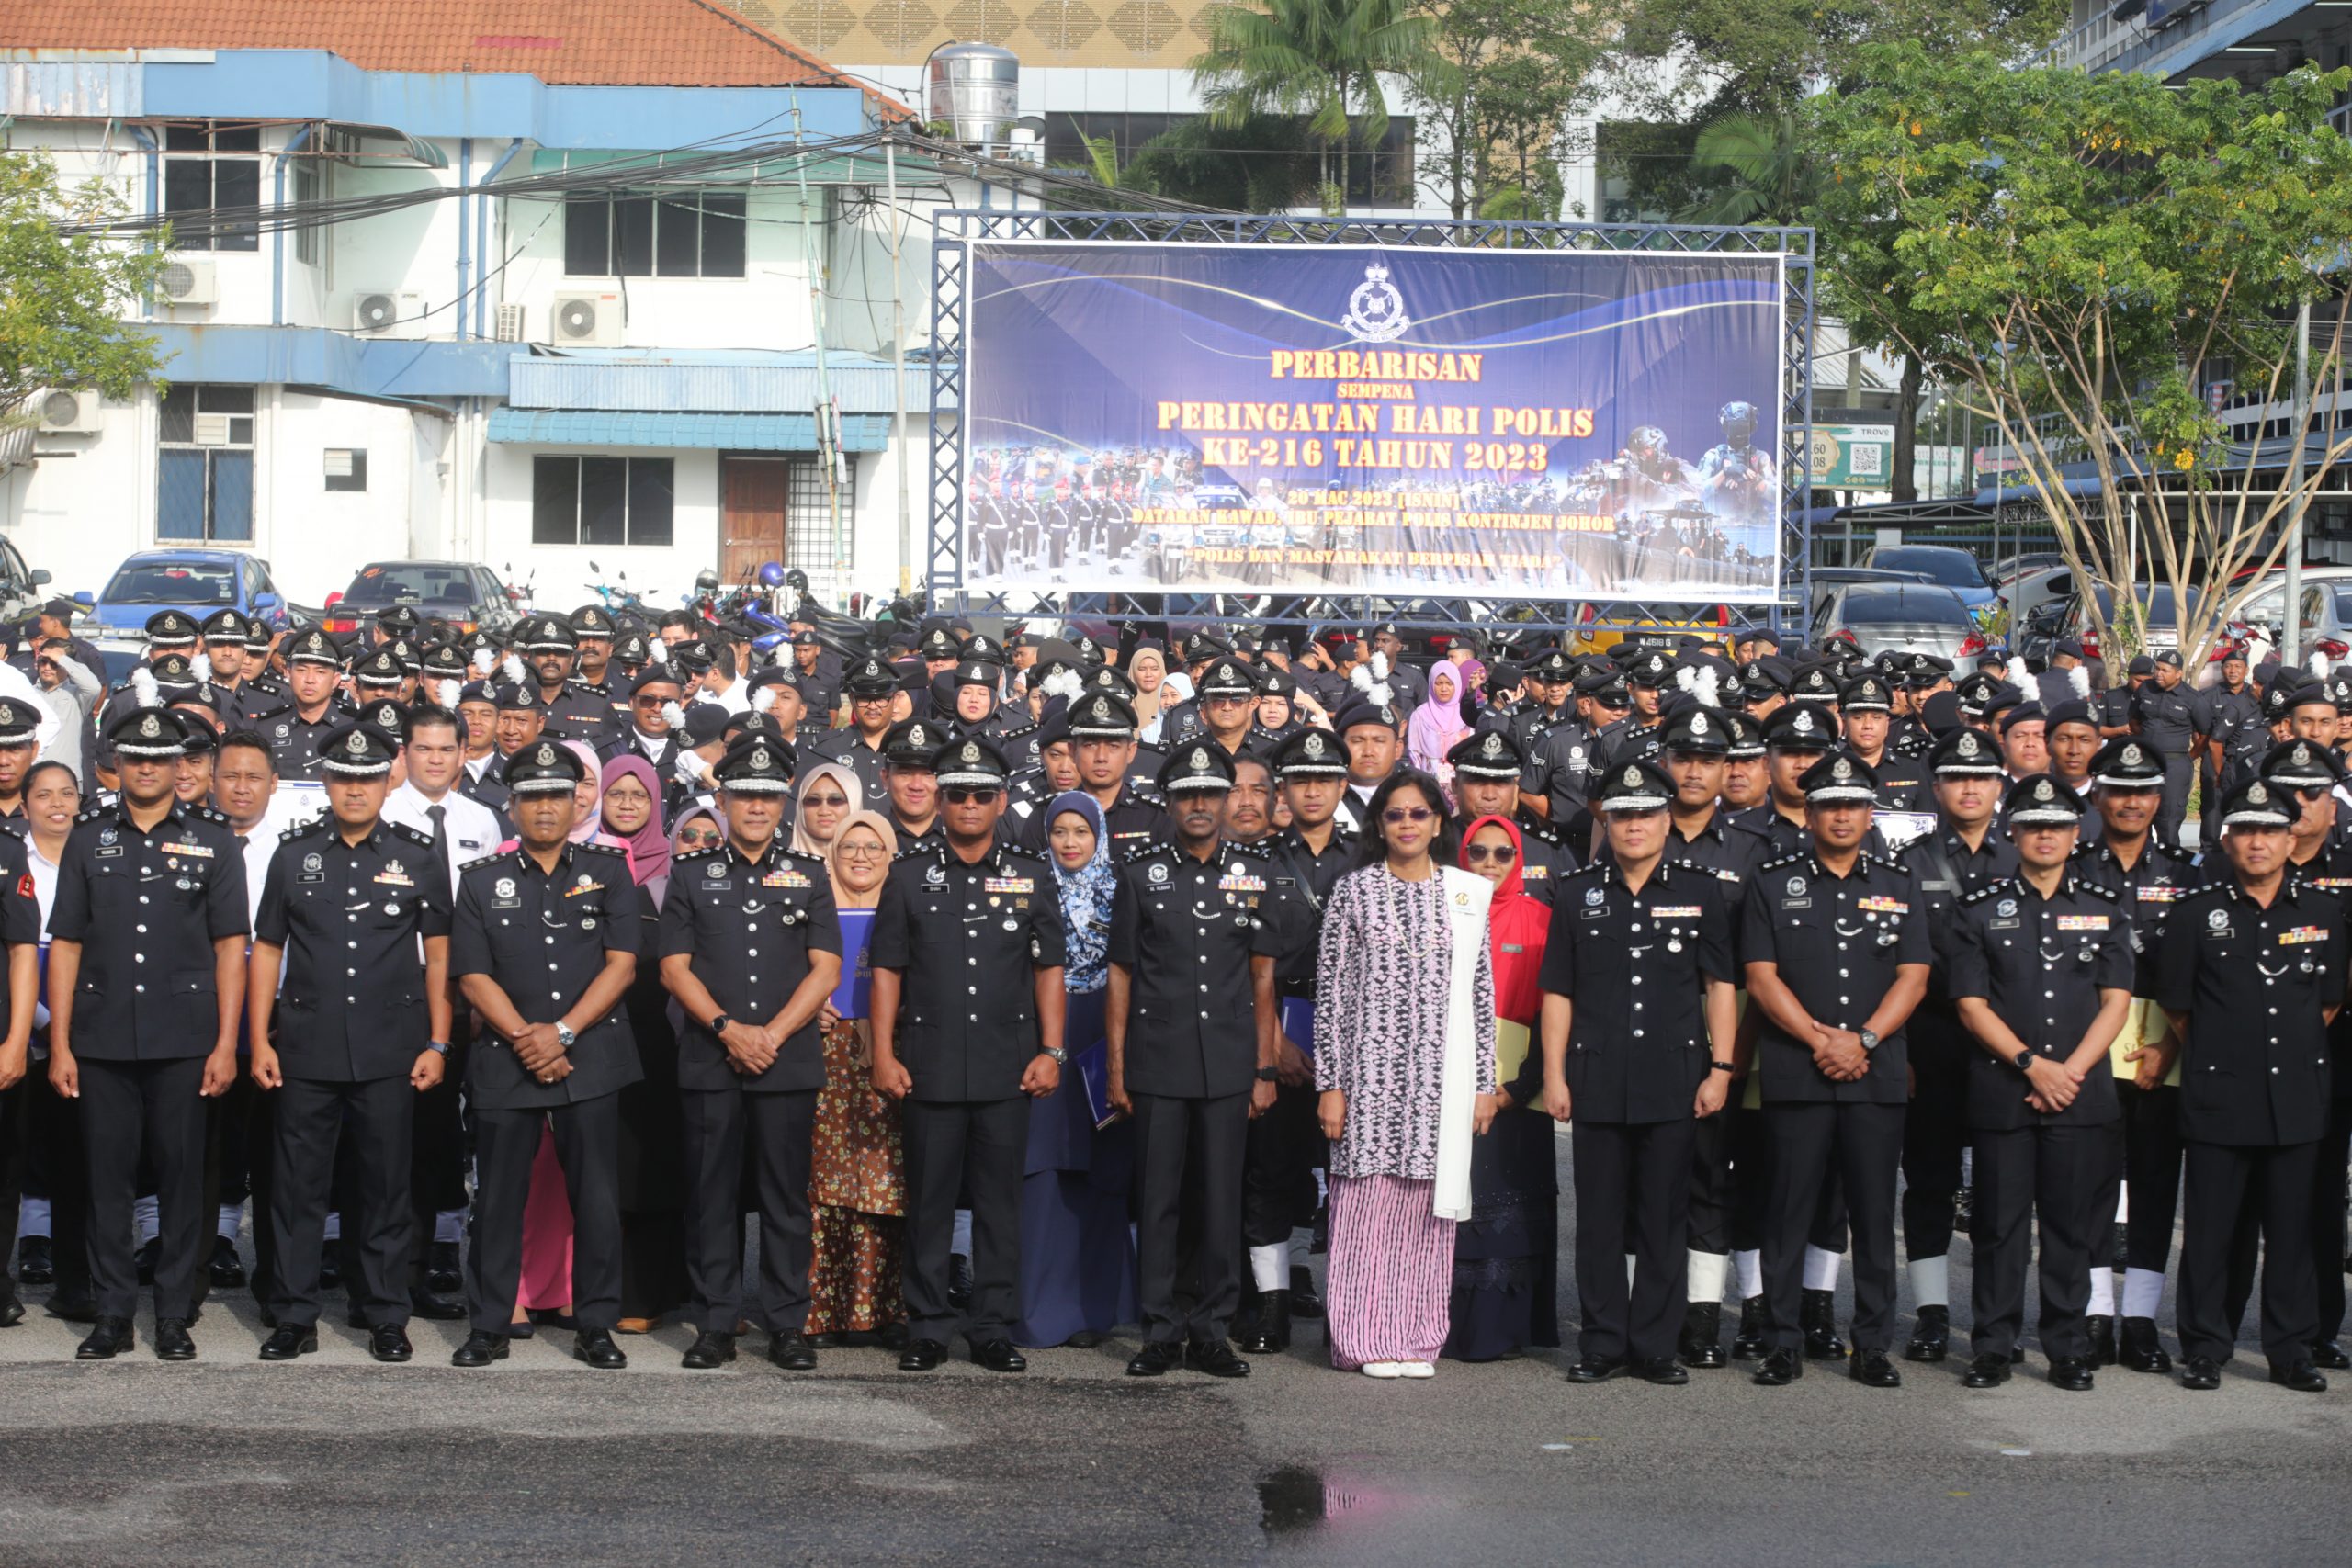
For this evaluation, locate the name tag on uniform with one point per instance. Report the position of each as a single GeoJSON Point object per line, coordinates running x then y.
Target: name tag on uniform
{"type": "Point", "coordinates": [205, 850]}
{"type": "Point", "coordinates": [1883, 906]}
{"type": "Point", "coordinates": [1674, 911]}
{"type": "Point", "coordinates": [1009, 885]}
{"type": "Point", "coordinates": [2082, 922]}
{"type": "Point", "coordinates": [786, 878]}
{"type": "Point", "coordinates": [2298, 934]}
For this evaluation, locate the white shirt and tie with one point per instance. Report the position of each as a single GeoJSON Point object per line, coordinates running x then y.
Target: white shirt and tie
{"type": "Point", "coordinates": [466, 828]}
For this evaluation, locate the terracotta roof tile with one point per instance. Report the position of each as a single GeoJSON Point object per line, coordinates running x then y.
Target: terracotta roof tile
{"type": "Point", "coordinates": [683, 43]}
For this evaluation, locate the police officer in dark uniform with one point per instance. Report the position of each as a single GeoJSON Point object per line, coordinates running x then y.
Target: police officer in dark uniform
{"type": "Point", "coordinates": [2040, 968]}
{"type": "Point", "coordinates": [2234, 730]}
{"type": "Point", "coordinates": [2168, 716]}
{"type": "Point", "coordinates": [1103, 733]}
{"type": "Point", "coordinates": [1487, 767]}
{"type": "Point", "coordinates": [820, 683]}
{"type": "Point", "coordinates": [544, 945]}
{"type": "Point", "coordinates": [593, 666]}
{"type": "Point", "coordinates": [962, 1044]}
{"type": "Point", "coordinates": [313, 713]}
{"type": "Point", "coordinates": [1192, 1024]}
{"type": "Point", "coordinates": [573, 711]}
{"type": "Point", "coordinates": [146, 990]}
{"type": "Point", "coordinates": [1866, 705]}
{"type": "Point", "coordinates": [857, 746]}
{"type": "Point", "coordinates": [1228, 695]}
{"type": "Point", "coordinates": [751, 948]}
{"type": "Point", "coordinates": [1795, 738]}
{"type": "Point", "coordinates": [1836, 955]}
{"type": "Point", "coordinates": [910, 782]}
{"type": "Point", "coordinates": [20, 993]}
{"type": "Point", "coordinates": [2251, 971]}
{"type": "Point", "coordinates": [351, 1051]}
{"type": "Point", "coordinates": [1638, 1027]}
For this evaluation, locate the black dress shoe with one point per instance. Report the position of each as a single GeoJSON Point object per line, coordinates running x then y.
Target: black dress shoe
{"type": "Point", "coordinates": [2141, 1349]}
{"type": "Point", "coordinates": [596, 1347]}
{"type": "Point", "coordinates": [12, 1310]}
{"type": "Point", "coordinates": [1986, 1371]}
{"type": "Point", "coordinates": [34, 1266]}
{"type": "Point", "coordinates": [2302, 1376]}
{"type": "Point", "coordinates": [1270, 1335]}
{"type": "Point", "coordinates": [290, 1340]}
{"type": "Point", "coordinates": [73, 1306]}
{"type": "Point", "coordinates": [388, 1342]}
{"type": "Point", "coordinates": [1702, 1335]}
{"type": "Point", "coordinates": [228, 1269]}
{"type": "Point", "coordinates": [921, 1355]}
{"type": "Point", "coordinates": [792, 1352]}
{"type": "Point", "coordinates": [172, 1341]}
{"type": "Point", "coordinates": [2201, 1374]}
{"type": "Point", "coordinates": [435, 1307]}
{"type": "Point", "coordinates": [1155, 1358]}
{"type": "Point", "coordinates": [1305, 1300]}
{"type": "Point", "coordinates": [441, 1273]}
{"type": "Point", "coordinates": [959, 1280]}
{"type": "Point", "coordinates": [1779, 1368]}
{"type": "Point", "coordinates": [2072, 1373]}
{"type": "Point", "coordinates": [2329, 1354]}
{"type": "Point", "coordinates": [143, 1259]}
{"type": "Point", "coordinates": [480, 1350]}
{"type": "Point", "coordinates": [710, 1349]}
{"type": "Point", "coordinates": [998, 1356]}
{"type": "Point", "coordinates": [1819, 1317]}
{"type": "Point", "coordinates": [1748, 1343]}
{"type": "Point", "coordinates": [110, 1338]}
{"type": "Point", "coordinates": [1599, 1369]}
{"type": "Point", "coordinates": [1872, 1369]}
{"type": "Point", "coordinates": [1666, 1371]}
{"type": "Point", "coordinates": [2101, 1329]}
{"type": "Point", "coordinates": [1217, 1359]}
{"type": "Point", "coordinates": [835, 1341]}
{"type": "Point", "coordinates": [1931, 1337]}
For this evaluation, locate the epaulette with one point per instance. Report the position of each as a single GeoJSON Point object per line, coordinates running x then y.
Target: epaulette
{"type": "Point", "coordinates": [1784, 859]}
{"type": "Point", "coordinates": [1262, 850]}
{"type": "Point", "coordinates": [1987, 891]}
{"type": "Point", "coordinates": [603, 848]}
{"type": "Point", "coordinates": [421, 839]}
{"type": "Point", "coordinates": [315, 825]}
{"type": "Point", "coordinates": [1014, 851]}
{"type": "Point", "coordinates": [207, 814]}
{"type": "Point", "coordinates": [803, 855]}
{"type": "Point", "coordinates": [2099, 889]}
{"type": "Point", "coordinates": [697, 854]}
{"type": "Point", "coordinates": [1593, 869]}
{"type": "Point", "coordinates": [1545, 833]}
{"type": "Point", "coordinates": [91, 814]}
{"type": "Point", "coordinates": [482, 860]}
{"type": "Point", "coordinates": [1144, 851]}
{"type": "Point", "coordinates": [918, 848]}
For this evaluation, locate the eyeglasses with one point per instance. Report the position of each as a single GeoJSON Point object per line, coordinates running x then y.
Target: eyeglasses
{"type": "Point", "coordinates": [863, 852]}
{"type": "Point", "coordinates": [652, 702]}
{"type": "Point", "coordinates": [1397, 814]}
{"type": "Point", "coordinates": [960, 796]}
{"type": "Point", "coordinates": [1481, 854]}
{"type": "Point", "coordinates": [825, 800]}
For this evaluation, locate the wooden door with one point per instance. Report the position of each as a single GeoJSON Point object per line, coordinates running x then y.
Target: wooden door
{"type": "Point", "coordinates": [752, 496]}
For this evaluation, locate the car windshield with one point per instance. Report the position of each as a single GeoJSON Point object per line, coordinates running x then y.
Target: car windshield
{"type": "Point", "coordinates": [2156, 597]}
{"type": "Point", "coordinates": [1933, 607]}
{"type": "Point", "coordinates": [1953, 568]}
{"type": "Point", "coordinates": [413, 582]}
{"type": "Point", "coordinates": [171, 582]}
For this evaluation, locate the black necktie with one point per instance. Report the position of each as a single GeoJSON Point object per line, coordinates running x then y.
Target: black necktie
{"type": "Point", "coordinates": [440, 814]}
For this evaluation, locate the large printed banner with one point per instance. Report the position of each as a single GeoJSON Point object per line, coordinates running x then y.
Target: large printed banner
{"type": "Point", "coordinates": [1486, 424]}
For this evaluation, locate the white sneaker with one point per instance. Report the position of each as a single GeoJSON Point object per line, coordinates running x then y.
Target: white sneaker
{"type": "Point", "coordinates": [1382, 1370]}
{"type": "Point", "coordinates": [1415, 1369]}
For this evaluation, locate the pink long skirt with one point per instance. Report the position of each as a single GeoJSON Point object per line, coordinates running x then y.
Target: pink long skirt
{"type": "Point", "coordinates": [1391, 1272]}
{"type": "Point", "coordinates": [546, 1235]}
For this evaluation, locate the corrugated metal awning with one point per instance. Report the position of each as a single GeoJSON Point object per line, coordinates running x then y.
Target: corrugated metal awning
{"type": "Point", "coordinates": [731, 432]}
{"type": "Point", "coordinates": [656, 382]}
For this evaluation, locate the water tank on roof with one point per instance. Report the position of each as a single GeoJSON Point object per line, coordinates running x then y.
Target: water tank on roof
{"type": "Point", "coordinates": [973, 90]}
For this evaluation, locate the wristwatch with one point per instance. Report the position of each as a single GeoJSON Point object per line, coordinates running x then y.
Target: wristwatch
{"type": "Point", "coordinates": [1269, 1075]}
{"type": "Point", "coordinates": [1722, 1066]}
{"type": "Point", "coordinates": [1059, 1055]}
{"type": "Point", "coordinates": [1869, 1041]}
{"type": "Point", "coordinates": [439, 1047]}
{"type": "Point", "coordinates": [2023, 1059]}
{"type": "Point", "coordinates": [719, 1026]}
{"type": "Point", "coordinates": [564, 1037]}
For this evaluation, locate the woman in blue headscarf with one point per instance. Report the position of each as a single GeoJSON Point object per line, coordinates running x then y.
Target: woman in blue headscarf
{"type": "Point", "coordinates": [1078, 1255]}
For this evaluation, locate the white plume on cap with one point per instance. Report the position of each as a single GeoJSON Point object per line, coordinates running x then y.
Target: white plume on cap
{"type": "Point", "coordinates": [763, 699]}
{"type": "Point", "coordinates": [1065, 683]}
{"type": "Point", "coordinates": [2079, 677]}
{"type": "Point", "coordinates": [657, 651]}
{"type": "Point", "coordinates": [202, 666]}
{"type": "Point", "coordinates": [444, 693]}
{"type": "Point", "coordinates": [2017, 675]}
{"type": "Point", "coordinates": [1380, 667]}
{"type": "Point", "coordinates": [1707, 685]}
{"type": "Point", "coordinates": [484, 660]}
{"type": "Point", "coordinates": [1371, 680]}
{"type": "Point", "coordinates": [143, 691]}
{"type": "Point", "coordinates": [1685, 678]}
{"type": "Point", "coordinates": [2318, 665]}
{"type": "Point", "coordinates": [675, 716]}
{"type": "Point", "coordinates": [514, 671]}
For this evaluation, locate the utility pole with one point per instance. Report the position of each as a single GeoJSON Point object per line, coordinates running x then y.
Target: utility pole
{"type": "Point", "coordinates": [2291, 614]}
{"type": "Point", "coordinates": [899, 369]}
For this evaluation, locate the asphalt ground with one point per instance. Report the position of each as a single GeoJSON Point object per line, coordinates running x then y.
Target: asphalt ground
{"type": "Point", "coordinates": [334, 1458]}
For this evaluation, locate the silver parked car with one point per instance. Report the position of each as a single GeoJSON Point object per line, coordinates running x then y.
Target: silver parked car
{"type": "Point", "coordinates": [1904, 616]}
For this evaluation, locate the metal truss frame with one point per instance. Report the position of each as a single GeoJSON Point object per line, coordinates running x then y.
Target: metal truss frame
{"type": "Point", "coordinates": [955, 230]}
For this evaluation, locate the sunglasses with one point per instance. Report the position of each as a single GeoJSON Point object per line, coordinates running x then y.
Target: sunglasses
{"type": "Point", "coordinates": [959, 795]}
{"type": "Point", "coordinates": [1481, 854]}
{"type": "Point", "coordinates": [826, 800]}
{"type": "Point", "coordinates": [1398, 813]}
{"type": "Point", "coordinates": [654, 703]}
{"type": "Point", "coordinates": [697, 840]}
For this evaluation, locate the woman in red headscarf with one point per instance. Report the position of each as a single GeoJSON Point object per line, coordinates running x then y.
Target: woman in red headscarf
{"type": "Point", "coordinates": [1506, 1256]}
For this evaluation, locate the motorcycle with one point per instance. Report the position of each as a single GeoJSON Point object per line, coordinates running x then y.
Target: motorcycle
{"type": "Point", "coordinates": [619, 595]}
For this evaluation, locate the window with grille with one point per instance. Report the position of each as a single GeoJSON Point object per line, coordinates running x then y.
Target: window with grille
{"type": "Point", "coordinates": [203, 175]}
{"type": "Point", "coordinates": [308, 188]}
{"type": "Point", "coordinates": [809, 514]}
{"type": "Point", "coordinates": [205, 466]}
{"type": "Point", "coordinates": [675, 235]}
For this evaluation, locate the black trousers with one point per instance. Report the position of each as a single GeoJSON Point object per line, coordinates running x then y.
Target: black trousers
{"type": "Point", "coordinates": [1863, 1144]}
{"type": "Point", "coordinates": [1189, 1158]}
{"type": "Point", "coordinates": [587, 1144]}
{"type": "Point", "coordinates": [1935, 1131]}
{"type": "Point", "coordinates": [1731, 1189]}
{"type": "Point", "coordinates": [2327, 1220]}
{"type": "Point", "coordinates": [2151, 1170]}
{"type": "Point", "coordinates": [1280, 1152]}
{"type": "Point", "coordinates": [1633, 1185]}
{"type": "Point", "coordinates": [16, 1149]}
{"type": "Point", "coordinates": [780, 1130]}
{"type": "Point", "coordinates": [1713, 1205]}
{"type": "Point", "coordinates": [54, 1137]}
{"type": "Point", "coordinates": [436, 1165]}
{"type": "Point", "coordinates": [371, 1122]}
{"type": "Point", "coordinates": [2222, 1179]}
{"type": "Point", "coordinates": [2050, 1176]}
{"type": "Point", "coordinates": [955, 1146]}
{"type": "Point", "coordinates": [157, 1108]}
{"type": "Point", "coordinates": [2177, 774]}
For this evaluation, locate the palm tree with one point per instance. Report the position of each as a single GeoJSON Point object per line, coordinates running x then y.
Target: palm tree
{"type": "Point", "coordinates": [1319, 59]}
{"type": "Point", "coordinates": [1768, 177]}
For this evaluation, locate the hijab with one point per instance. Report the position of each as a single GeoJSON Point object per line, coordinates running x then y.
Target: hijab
{"type": "Point", "coordinates": [1516, 924]}
{"type": "Point", "coordinates": [591, 826]}
{"type": "Point", "coordinates": [649, 847]}
{"type": "Point", "coordinates": [1086, 896]}
{"type": "Point", "coordinates": [873, 822]}
{"type": "Point", "coordinates": [801, 843]}
{"type": "Point", "coordinates": [1436, 724]}
{"type": "Point", "coordinates": [699, 808]}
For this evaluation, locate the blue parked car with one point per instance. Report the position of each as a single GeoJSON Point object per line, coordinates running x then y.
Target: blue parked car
{"type": "Point", "coordinates": [194, 581]}
{"type": "Point", "coordinates": [1954, 568]}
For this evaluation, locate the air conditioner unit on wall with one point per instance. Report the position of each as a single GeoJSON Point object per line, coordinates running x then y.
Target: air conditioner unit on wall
{"type": "Point", "coordinates": [188, 283]}
{"type": "Point", "coordinates": [67, 413]}
{"type": "Point", "coordinates": [381, 310]}
{"type": "Point", "coordinates": [586, 320]}
{"type": "Point", "coordinates": [510, 323]}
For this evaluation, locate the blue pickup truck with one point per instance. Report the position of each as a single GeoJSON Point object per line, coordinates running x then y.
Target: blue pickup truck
{"type": "Point", "coordinates": [197, 582]}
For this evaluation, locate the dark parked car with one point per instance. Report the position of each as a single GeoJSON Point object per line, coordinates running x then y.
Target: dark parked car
{"type": "Point", "coordinates": [467, 595]}
{"type": "Point", "coordinates": [1949, 564]}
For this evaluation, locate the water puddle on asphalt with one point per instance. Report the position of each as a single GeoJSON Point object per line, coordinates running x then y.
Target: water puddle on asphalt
{"type": "Point", "coordinates": [1291, 1499]}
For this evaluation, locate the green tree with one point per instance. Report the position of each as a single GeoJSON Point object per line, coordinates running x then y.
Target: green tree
{"type": "Point", "coordinates": [64, 289]}
{"type": "Point", "coordinates": [1254, 165]}
{"type": "Point", "coordinates": [1763, 171]}
{"type": "Point", "coordinates": [1321, 59]}
{"type": "Point", "coordinates": [2078, 257]}
{"type": "Point", "coordinates": [1503, 79]}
